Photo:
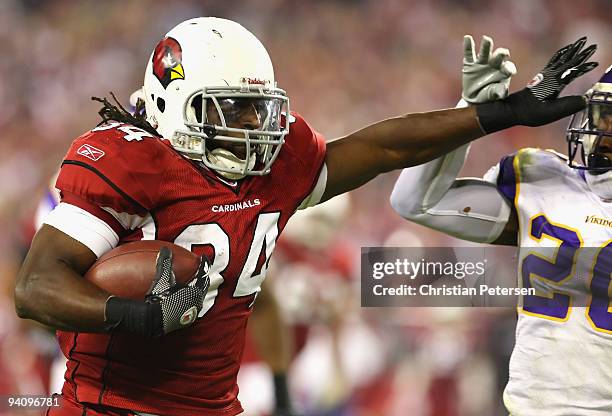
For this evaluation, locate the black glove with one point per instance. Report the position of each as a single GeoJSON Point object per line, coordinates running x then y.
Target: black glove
{"type": "Point", "coordinates": [537, 104]}
{"type": "Point", "coordinates": [168, 306]}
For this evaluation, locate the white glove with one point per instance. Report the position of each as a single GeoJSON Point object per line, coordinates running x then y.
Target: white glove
{"type": "Point", "coordinates": [486, 77]}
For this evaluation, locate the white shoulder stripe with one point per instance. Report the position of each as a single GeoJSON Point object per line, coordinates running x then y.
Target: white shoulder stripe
{"type": "Point", "coordinates": [133, 222]}
{"type": "Point", "coordinates": [315, 196]}
{"type": "Point", "coordinates": [127, 221]}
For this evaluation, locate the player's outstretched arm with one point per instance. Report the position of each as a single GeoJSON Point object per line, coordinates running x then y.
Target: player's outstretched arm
{"type": "Point", "coordinates": [417, 138]}
{"type": "Point", "coordinates": [431, 195]}
{"type": "Point", "coordinates": [50, 289]}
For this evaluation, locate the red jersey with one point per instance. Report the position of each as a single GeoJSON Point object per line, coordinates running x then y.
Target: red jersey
{"type": "Point", "coordinates": [322, 269]}
{"type": "Point", "coordinates": [143, 189]}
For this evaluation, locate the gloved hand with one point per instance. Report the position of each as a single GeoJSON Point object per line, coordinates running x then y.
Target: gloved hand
{"type": "Point", "coordinates": [567, 64]}
{"type": "Point", "coordinates": [179, 303]}
{"type": "Point", "coordinates": [538, 103]}
{"type": "Point", "coordinates": [168, 306]}
{"type": "Point", "coordinates": [486, 76]}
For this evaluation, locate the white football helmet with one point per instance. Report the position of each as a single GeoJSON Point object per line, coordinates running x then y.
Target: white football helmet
{"type": "Point", "coordinates": [209, 89]}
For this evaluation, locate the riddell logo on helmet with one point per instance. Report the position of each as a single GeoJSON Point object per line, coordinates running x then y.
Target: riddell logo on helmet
{"type": "Point", "coordinates": [254, 81]}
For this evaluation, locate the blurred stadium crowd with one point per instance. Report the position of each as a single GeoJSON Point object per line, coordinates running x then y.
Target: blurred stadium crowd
{"type": "Point", "coordinates": [344, 64]}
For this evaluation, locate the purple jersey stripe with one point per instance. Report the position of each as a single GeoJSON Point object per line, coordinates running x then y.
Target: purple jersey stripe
{"type": "Point", "coordinates": [506, 181]}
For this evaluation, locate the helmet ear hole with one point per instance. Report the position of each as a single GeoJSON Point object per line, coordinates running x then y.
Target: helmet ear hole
{"type": "Point", "coordinates": [161, 104]}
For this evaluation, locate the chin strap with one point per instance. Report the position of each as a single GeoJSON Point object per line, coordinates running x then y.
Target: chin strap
{"type": "Point", "coordinates": [600, 185]}
{"type": "Point", "coordinates": [225, 159]}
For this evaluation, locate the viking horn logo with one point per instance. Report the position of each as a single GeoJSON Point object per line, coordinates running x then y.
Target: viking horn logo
{"type": "Point", "coordinates": [167, 61]}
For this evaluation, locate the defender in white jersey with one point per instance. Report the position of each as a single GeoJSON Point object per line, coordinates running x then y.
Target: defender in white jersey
{"type": "Point", "coordinates": [561, 363]}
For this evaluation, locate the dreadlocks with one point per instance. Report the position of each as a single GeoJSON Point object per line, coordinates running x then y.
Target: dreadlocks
{"type": "Point", "coordinates": [110, 111]}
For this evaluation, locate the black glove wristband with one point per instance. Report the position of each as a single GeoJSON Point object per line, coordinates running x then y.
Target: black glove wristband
{"type": "Point", "coordinates": [523, 108]}
{"type": "Point", "coordinates": [134, 317]}
{"type": "Point", "coordinates": [495, 116]}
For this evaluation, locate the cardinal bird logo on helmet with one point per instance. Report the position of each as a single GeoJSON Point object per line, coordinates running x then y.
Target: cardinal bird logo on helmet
{"type": "Point", "coordinates": [167, 61]}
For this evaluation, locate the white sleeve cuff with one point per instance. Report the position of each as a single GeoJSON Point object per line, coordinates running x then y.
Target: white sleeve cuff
{"type": "Point", "coordinates": [315, 196]}
{"type": "Point", "coordinates": [84, 227]}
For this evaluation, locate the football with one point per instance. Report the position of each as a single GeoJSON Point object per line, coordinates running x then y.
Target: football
{"type": "Point", "coordinates": [128, 270]}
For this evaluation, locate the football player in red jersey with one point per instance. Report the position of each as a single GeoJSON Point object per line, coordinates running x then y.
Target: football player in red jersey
{"type": "Point", "coordinates": [218, 167]}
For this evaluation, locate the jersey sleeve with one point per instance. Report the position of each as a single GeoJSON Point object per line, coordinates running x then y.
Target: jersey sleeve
{"type": "Point", "coordinates": [109, 168]}
{"type": "Point", "coordinates": [504, 176]}
{"type": "Point", "coordinates": [307, 148]}
{"type": "Point", "coordinates": [108, 183]}
{"type": "Point", "coordinates": [527, 165]}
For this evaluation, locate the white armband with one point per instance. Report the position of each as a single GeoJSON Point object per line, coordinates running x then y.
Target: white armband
{"type": "Point", "coordinates": [84, 227]}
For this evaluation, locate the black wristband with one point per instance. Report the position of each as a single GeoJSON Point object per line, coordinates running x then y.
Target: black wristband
{"type": "Point", "coordinates": [496, 115]}
{"type": "Point", "coordinates": [524, 109]}
{"type": "Point", "coordinates": [132, 316]}
{"type": "Point", "coordinates": [281, 392]}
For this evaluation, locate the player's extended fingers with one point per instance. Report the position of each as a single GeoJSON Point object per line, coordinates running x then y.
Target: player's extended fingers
{"type": "Point", "coordinates": [468, 49]}
{"type": "Point", "coordinates": [557, 57]}
{"type": "Point", "coordinates": [498, 91]}
{"type": "Point", "coordinates": [498, 57]}
{"type": "Point", "coordinates": [573, 50]}
{"type": "Point", "coordinates": [162, 260]}
{"type": "Point", "coordinates": [163, 272]}
{"type": "Point", "coordinates": [202, 279]}
{"type": "Point", "coordinates": [201, 282]}
{"type": "Point", "coordinates": [589, 66]}
{"type": "Point", "coordinates": [486, 44]}
{"type": "Point", "coordinates": [572, 73]}
{"type": "Point", "coordinates": [508, 68]}
{"type": "Point", "coordinates": [164, 265]}
{"type": "Point", "coordinates": [584, 55]}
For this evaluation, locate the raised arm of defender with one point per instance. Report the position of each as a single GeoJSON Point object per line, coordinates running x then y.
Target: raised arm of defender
{"type": "Point", "coordinates": [469, 208]}
{"type": "Point", "coordinates": [417, 138]}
